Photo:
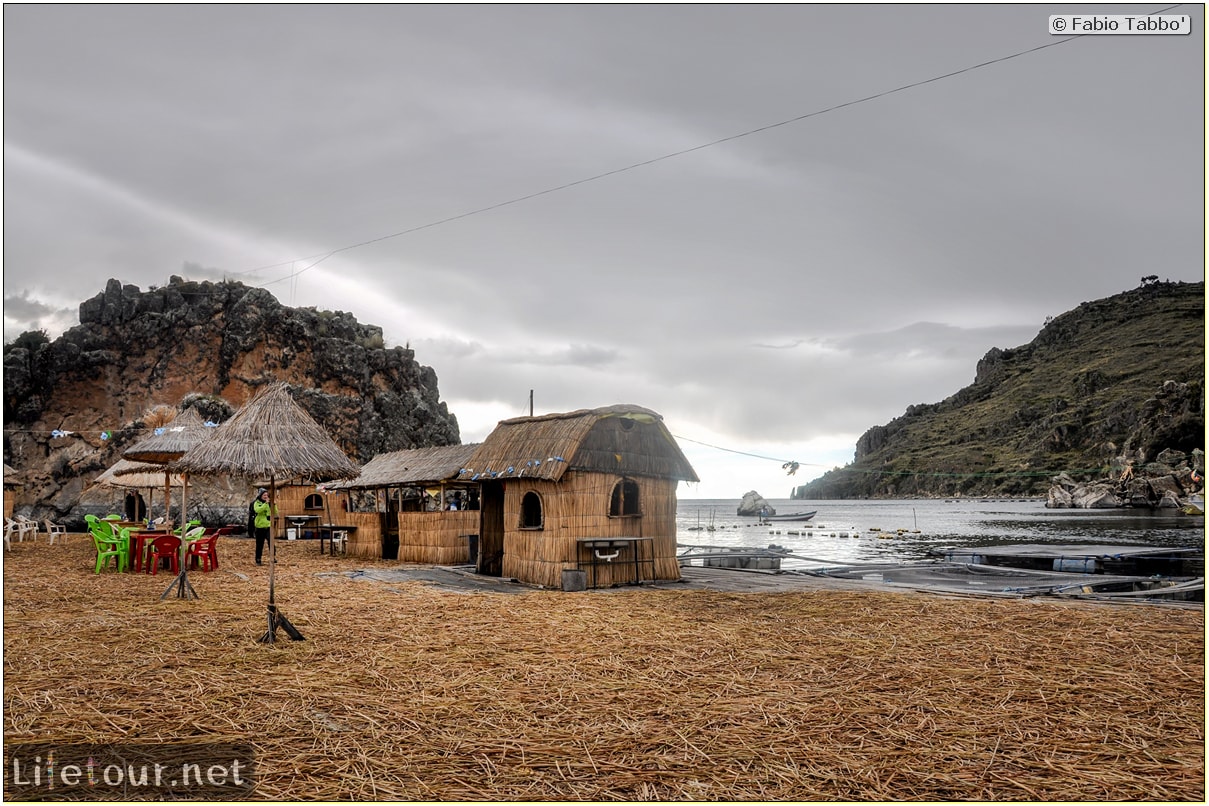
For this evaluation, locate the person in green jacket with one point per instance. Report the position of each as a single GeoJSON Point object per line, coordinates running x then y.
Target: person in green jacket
{"type": "Point", "coordinates": [263, 513]}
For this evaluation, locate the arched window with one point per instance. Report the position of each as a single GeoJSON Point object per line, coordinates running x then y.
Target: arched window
{"type": "Point", "coordinates": [313, 501]}
{"type": "Point", "coordinates": [625, 499]}
{"type": "Point", "coordinates": [531, 511]}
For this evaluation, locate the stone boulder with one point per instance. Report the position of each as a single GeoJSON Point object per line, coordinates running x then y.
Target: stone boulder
{"type": "Point", "coordinates": [1059, 498]}
{"type": "Point", "coordinates": [1095, 496]}
{"type": "Point", "coordinates": [753, 503]}
{"type": "Point", "coordinates": [1169, 501]}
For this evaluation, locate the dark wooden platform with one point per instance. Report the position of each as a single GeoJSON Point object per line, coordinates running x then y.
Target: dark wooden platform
{"type": "Point", "coordinates": [1085, 558]}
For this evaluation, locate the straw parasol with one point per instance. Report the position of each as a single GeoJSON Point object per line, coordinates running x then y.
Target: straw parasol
{"type": "Point", "coordinates": [271, 437]}
{"type": "Point", "coordinates": [165, 445]}
{"type": "Point", "coordinates": [137, 476]}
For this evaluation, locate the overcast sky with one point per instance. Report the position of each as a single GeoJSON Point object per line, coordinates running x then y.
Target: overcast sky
{"type": "Point", "coordinates": [775, 294]}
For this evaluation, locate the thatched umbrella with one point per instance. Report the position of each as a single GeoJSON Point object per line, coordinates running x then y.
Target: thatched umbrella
{"type": "Point", "coordinates": [138, 476]}
{"type": "Point", "coordinates": [165, 445]}
{"type": "Point", "coordinates": [271, 437]}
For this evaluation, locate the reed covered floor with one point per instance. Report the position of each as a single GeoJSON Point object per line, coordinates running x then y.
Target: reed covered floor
{"type": "Point", "coordinates": [404, 691]}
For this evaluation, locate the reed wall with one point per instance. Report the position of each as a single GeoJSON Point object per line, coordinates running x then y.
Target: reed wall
{"type": "Point", "coordinates": [291, 500]}
{"type": "Point", "coordinates": [577, 507]}
{"type": "Point", "coordinates": [366, 542]}
{"type": "Point", "coordinates": [436, 537]}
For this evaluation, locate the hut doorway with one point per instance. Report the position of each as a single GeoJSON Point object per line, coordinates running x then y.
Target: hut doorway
{"type": "Point", "coordinates": [136, 508]}
{"type": "Point", "coordinates": [390, 528]}
{"type": "Point", "coordinates": [491, 529]}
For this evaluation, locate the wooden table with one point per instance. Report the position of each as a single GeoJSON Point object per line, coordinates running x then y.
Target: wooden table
{"type": "Point", "coordinates": [603, 550]}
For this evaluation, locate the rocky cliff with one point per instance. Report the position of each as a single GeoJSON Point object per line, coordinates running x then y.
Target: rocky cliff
{"type": "Point", "coordinates": [210, 346]}
{"type": "Point", "coordinates": [1111, 383]}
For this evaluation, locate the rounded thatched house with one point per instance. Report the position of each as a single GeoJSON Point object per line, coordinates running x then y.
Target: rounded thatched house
{"type": "Point", "coordinates": [557, 489]}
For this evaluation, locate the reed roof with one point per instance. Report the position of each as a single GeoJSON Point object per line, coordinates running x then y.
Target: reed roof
{"type": "Point", "coordinates": [416, 466]}
{"type": "Point", "coordinates": [12, 476]}
{"type": "Point", "coordinates": [270, 437]}
{"type": "Point", "coordinates": [624, 439]}
{"type": "Point", "coordinates": [171, 441]}
{"type": "Point", "coordinates": [126, 473]}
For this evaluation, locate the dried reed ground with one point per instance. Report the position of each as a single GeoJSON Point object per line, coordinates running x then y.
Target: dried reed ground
{"type": "Point", "coordinates": [410, 692]}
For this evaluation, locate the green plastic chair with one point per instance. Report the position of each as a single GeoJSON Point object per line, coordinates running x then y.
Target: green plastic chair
{"type": "Point", "coordinates": [117, 547]}
{"type": "Point", "coordinates": [186, 528]}
{"type": "Point", "coordinates": [100, 527]}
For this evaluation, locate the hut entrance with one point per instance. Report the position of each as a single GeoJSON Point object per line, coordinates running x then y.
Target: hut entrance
{"type": "Point", "coordinates": [136, 508]}
{"type": "Point", "coordinates": [491, 529]}
{"type": "Point", "coordinates": [390, 529]}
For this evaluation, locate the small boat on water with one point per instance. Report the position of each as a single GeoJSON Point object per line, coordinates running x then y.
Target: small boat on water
{"type": "Point", "coordinates": [789, 518]}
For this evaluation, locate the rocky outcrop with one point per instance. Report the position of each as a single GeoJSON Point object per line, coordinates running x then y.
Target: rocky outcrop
{"type": "Point", "coordinates": [1164, 483]}
{"type": "Point", "coordinates": [754, 504]}
{"type": "Point", "coordinates": [1120, 376]}
{"type": "Point", "coordinates": [209, 346]}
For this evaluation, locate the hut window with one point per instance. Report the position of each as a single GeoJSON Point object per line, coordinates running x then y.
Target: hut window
{"type": "Point", "coordinates": [313, 501]}
{"type": "Point", "coordinates": [625, 499]}
{"type": "Point", "coordinates": [531, 511]}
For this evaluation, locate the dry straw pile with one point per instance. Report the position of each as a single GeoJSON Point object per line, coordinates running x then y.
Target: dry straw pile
{"type": "Point", "coordinates": [404, 691]}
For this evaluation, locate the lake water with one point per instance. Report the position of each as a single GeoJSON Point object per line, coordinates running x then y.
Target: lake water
{"type": "Point", "coordinates": [848, 532]}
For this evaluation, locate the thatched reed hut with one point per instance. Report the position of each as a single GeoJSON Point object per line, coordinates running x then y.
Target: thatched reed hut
{"type": "Point", "coordinates": [551, 481]}
{"type": "Point", "coordinates": [418, 509]}
{"type": "Point", "coordinates": [12, 483]}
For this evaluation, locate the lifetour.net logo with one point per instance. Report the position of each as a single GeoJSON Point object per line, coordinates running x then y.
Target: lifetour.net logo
{"type": "Point", "coordinates": [128, 772]}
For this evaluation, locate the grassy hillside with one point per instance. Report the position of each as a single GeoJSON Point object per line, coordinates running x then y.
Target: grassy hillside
{"type": "Point", "coordinates": [1090, 391]}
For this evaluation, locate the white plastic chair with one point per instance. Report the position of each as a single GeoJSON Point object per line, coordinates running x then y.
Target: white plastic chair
{"type": "Point", "coordinates": [53, 529]}
{"type": "Point", "coordinates": [24, 526]}
{"type": "Point", "coordinates": [340, 539]}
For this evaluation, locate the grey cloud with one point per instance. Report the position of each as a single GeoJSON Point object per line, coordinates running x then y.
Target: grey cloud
{"type": "Point", "coordinates": [812, 278]}
{"type": "Point", "coordinates": [933, 339]}
{"type": "Point", "coordinates": [27, 308]}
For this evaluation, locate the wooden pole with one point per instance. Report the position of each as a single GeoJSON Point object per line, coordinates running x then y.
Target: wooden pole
{"type": "Point", "coordinates": [184, 588]}
{"type": "Point", "coordinates": [167, 497]}
{"type": "Point", "coordinates": [277, 619]}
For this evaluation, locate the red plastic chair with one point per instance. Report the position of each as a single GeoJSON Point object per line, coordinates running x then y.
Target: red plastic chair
{"type": "Point", "coordinates": [164, 547]}
{"type": "Point", "coordinates": [205, 552]}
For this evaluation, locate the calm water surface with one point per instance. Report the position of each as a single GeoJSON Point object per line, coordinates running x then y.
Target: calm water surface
{"type": "Point", "coordinates": [845, 532]}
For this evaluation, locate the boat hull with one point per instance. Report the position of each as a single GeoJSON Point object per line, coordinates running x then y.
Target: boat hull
{"type": "Point", "coordinates": [796, 517]}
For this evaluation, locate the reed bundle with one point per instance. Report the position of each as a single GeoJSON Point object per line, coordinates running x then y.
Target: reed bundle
{"type": "Point", "coordinates": [407, 692]}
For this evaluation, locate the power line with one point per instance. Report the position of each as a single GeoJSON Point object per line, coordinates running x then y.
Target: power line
{"type": "Point", "coordinates": [877, 471]}
{"type": "Point", "coordinates": [745, 453]}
